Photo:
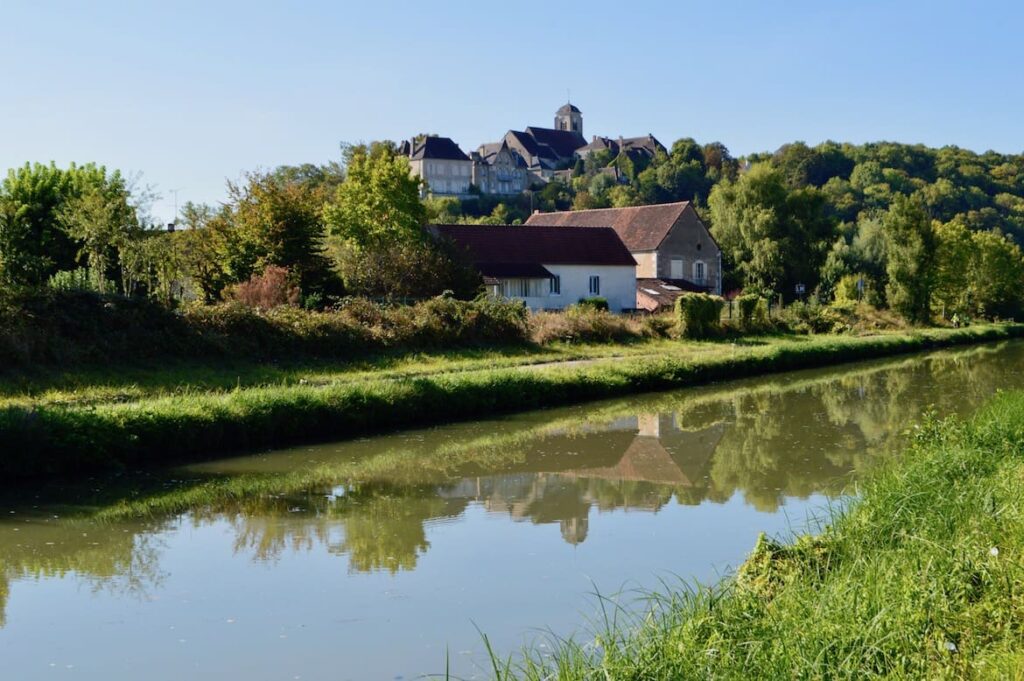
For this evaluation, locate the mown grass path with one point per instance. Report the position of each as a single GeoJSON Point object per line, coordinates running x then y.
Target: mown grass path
{"type": "Point", "coordinates": [94, 429]}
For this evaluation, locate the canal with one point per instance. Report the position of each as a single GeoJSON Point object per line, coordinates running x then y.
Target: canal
{"type": "Point", "coordinates": [383, 557]}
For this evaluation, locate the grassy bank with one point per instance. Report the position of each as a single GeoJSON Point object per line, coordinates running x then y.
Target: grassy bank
{"type": "Point", "coordinates": [922, 577]}
{"type": "Point", "coordinates": [53, 439]}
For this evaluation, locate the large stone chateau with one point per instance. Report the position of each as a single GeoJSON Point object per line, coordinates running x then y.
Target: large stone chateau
{"type": "Point", "coordinates": [520, 160]}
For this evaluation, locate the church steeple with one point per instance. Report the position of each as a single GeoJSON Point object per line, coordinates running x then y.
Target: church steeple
{"type": "Point", "coordinates": [568, 117]}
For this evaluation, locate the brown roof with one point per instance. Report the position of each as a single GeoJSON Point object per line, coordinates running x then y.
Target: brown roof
{"type": "Point", "coordinates": [662, 293]}
{"type": "Point", "coordinates": [641, 228]}
{"type": "Point", "coordinates": [497, 247]}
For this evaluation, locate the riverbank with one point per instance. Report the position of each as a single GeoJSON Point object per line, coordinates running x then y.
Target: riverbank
{"type": "Point", "coordinates": [919, 578]}
{"type": "Point", "coordinates": [53, 438]}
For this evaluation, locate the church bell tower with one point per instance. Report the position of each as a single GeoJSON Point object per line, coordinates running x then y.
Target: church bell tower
{"type": "Point", "coordinates": [568, 117]}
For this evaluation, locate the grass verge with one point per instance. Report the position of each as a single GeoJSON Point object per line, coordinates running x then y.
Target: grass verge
{"type": "Point", "coordinates": [921, 577]}
{"type": "Point", "coordinates": [58, 440]}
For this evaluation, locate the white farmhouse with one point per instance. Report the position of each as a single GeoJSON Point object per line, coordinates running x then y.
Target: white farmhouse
{"type": "Point", "coordinates": [549, 268]}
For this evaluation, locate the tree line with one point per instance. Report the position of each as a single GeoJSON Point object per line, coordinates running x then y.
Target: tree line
{"type": "Point", "coordinates": [349, 228]}
{"type": "Point", "coordinates": [924, 231]}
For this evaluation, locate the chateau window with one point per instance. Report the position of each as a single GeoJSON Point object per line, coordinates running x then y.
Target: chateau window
{"type": "Point", "coordinates": [556, 285]}
{"type": "Point", "coordinates": [595, 285]}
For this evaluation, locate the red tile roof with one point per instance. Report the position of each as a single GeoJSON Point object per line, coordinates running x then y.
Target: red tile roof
{"type": "Point", "coordinates": [641, 228]}
{"type": "Point", "coordinates": [497, 247]}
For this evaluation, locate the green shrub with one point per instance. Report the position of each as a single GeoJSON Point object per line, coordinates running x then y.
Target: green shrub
{"type": "Point", "coordinates": [60, 327]}
{"type": "Point", "coordinates": [812, 317]}
{"type": "Point", "coordinates": [698, 315]}
{"type": "Point", "coordinates": [81, 279]}
{"type": "Point", "coordinates": [595, 303]}
{"type": "Point", "coordinates": [753, 313]}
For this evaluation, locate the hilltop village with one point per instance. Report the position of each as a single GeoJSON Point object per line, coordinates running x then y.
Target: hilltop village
{"type": "Point", "coordinates": [640, 257]}
{"type": "Point", "coordinates": [521, 159]}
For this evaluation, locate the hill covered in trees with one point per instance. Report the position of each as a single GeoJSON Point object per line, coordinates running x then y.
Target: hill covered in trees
{"type": "Point", "coordinates": [925, 227]}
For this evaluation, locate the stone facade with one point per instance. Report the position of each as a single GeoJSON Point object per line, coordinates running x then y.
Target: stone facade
{"type": "Point", "coordinates": [500, 171]}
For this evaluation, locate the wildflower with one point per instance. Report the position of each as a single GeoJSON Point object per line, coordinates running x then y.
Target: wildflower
{"type": "Point", "coordinates": [994, 551]}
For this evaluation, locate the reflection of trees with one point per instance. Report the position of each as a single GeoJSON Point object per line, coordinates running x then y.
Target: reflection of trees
{"type": "Point", "coordinates": [120, 558]}
{"type": "Point", "coordinates": [767, 439]}
{"type": "Point", "coordinates": [386, 531]}
{"type": "Point", "coordinates": [378, 527]}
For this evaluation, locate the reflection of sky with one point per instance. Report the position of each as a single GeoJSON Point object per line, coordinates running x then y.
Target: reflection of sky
{"type": "Point", "coordinates": [220, 614]}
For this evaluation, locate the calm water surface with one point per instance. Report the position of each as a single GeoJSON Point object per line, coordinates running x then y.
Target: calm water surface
{"type": "Point", "coordinates": [374, 559]}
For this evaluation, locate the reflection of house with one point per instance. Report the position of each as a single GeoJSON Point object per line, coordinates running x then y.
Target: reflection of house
{"type": "Point", "coordinates": [645, 461]}
{"type": "Point", "coordinates": [669, 241]}
{"type": "Point", "coordinates": [549, 267]}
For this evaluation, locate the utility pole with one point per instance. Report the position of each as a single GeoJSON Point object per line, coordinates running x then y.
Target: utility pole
{"type": "Point", "coordinates": [174, 220]}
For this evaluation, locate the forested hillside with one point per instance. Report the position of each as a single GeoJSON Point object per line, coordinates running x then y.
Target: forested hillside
{"type": "Point", "coordinates": [817, 216]}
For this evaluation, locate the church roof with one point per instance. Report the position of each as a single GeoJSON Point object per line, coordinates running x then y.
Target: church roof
{"type": "Point", "coordinates": [563, 142]}
{"type": "Point", "coordinates": [567, 108]}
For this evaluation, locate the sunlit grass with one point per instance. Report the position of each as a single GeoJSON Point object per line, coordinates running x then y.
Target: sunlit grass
{"type": "Point", "coordinates": [193, 422]}
{"type": "Point", "coordinates": [922, 577]}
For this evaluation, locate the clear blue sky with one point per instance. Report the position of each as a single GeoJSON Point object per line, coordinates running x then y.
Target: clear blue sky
{"type": "Point", "coordinates": [191, 93]}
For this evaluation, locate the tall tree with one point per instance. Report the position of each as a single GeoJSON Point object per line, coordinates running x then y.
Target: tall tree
{"type": "Point", "coordinates": [279, 221]}
{"type": "Point", "coordinates": [954, 262]}
{"type": "Point", "coordinates": [774, 238]}
{"type": "Point", "coordinates": [910, 247]}
{"type": "Point", "coordinates": [379, 201]}
{"type": "Point", "coordinates": [998, 275]}
{"type": "Point", "coordinates": [34, 239]}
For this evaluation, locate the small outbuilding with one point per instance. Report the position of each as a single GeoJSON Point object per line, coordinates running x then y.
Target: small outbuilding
{"type": "Point", "coordinates": [549, 268]}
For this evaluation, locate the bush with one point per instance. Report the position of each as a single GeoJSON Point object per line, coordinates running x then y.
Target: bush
{"type": "Point", "coordinates": [595, 303]}
{"type": "Point", "coordinates": [812, 317]}
{"type": "Point", "coordinates": [81, 279]}
{"type": "Point", "coordinates": [266, 291]}
{"type": "Point", "coordinates": [698, 315]}
{"type": "Point", "coordinates": [753, 313]}
{"type": "Point", "coordinates": [78, 327]}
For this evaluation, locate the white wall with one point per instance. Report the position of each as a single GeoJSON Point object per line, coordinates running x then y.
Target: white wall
{"type": "Point", "coordinates": [618, 287]}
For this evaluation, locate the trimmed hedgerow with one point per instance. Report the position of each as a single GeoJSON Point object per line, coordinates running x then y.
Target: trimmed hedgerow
{"type": "Point", "coordinates": [698, 315]}
{"type": "Point", "coordinates": [753, 313]}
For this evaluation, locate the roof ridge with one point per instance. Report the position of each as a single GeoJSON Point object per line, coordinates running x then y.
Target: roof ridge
{"type": "Point", "coordinates": [646, 205]}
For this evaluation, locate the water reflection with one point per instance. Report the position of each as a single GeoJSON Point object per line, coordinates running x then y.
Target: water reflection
{"type": "Point", "coordinates": [370, 503]}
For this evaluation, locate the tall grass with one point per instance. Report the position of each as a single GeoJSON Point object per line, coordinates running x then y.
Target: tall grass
{"type": "Point", "coordinates": [53, 439]}
{"type": "Point", "coordinates": [922, 577]}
